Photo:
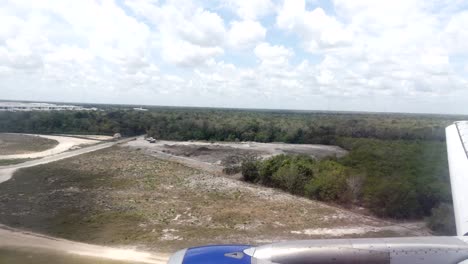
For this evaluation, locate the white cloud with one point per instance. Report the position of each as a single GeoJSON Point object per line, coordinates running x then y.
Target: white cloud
{"type": "Point", "coordinates": [184, 53]}
{"type": "Point", "coordinates": [317, 29]}
{"type": "Point", "coordinates": [245, 34]}
{"type": "Point", "coordinates": [187, 34]}
{"type": "Point", "coordinates": [456, 33]}
{"type": "Point", "coordinates": [272, 54]}
{"type": "Point", "coordinates": [9, 26]}
{"type": "Point", "coordinates": [251, 9]}
{"type": "Point", "coordinates": [396, 48]}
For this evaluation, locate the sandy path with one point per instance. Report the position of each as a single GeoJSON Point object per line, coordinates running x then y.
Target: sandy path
{"type": "Point", "coordinates": [7, 171]}
{"type": "Point", "coordinates": [65, 143]}
{"type": "Point", "coordinates": [94, 137]}
{"type": "Point", "coordinates": [14, 238]}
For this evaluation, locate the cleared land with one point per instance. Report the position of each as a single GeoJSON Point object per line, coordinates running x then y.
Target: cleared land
{"type": "Point", "coordinates": [12, 144]}
{"type": "Point", "coordinates": [213, 157]}
{"type": "Point", "coordinates": [123, 197]}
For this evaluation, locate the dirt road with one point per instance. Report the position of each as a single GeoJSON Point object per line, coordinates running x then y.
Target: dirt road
{"type": "Point", "coordinates": [64, 144]}
{"type": "Point", "coordinates": [7, 171]}
{"type": "Point", "coordinates": [14, 238]}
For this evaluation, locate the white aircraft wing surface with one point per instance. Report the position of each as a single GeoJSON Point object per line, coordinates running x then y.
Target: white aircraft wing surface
{"type": "Point", "coordinates": [457, 146]}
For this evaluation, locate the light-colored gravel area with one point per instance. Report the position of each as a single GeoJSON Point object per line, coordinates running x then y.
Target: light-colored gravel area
{"type": "Point", "coordinates": [94, 137]}
{"type": "Point", "coordinates": [213, 157]}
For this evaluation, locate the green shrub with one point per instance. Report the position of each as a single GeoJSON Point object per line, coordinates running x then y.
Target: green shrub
{"type": "Point", "coordinates": [329, 183]}
{"type": "Point", "coordinates": [250, 169]}
{"type": "Point", "coordinates": [290, 178]}
{"type": "Point", "coordinates": [287, 172]}
{"type": "Point", "coordinates": [442, 220]}
{"type": "Point", "coordinates": [392, 198]}
{"type": "Point", "coordinates": [269, 167]}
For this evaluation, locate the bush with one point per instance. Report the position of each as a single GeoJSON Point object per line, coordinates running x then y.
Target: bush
{"type": "Point", "coordinates": [290, 178]}
{"type": "Point", "coordinates": [442, 220]}
{"type": "Point", "coordinates": [285, 171]}
{"type": "Point", "coordinates": [250, 168]}
{"type": "Point", "coordinates": [269, 167]}
{"type": "Point", "coordinates": [393, 198]}
{"type": "Point", "coordinates": [330, 183]}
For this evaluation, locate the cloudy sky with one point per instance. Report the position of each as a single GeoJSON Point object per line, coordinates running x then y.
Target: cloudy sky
{"type": "Point", "coordinates": [364, 55]}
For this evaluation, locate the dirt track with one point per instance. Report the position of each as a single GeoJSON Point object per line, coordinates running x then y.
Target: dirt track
{"type": "Point", "coordinates": [7, 171]}
{"type": "Point", "coordinates": [64, 144]}
{"type": "Point", "coordinates": [14, 238]}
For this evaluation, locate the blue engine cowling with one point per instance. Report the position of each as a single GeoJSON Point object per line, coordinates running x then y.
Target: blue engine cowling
{"type": "Point", "coordinates": [216, 254]}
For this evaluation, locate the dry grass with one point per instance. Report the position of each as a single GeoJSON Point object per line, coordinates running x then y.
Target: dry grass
{"type": "Point", "coordinates": [12, 144]}
{"type": "Point", "coordinates": [121, 196]}
{"type": "Point", "coordinates": [7, 162]}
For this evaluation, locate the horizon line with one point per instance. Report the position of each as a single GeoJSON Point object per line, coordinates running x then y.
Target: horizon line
{"type": "Point", "coordinates": [233, 108]}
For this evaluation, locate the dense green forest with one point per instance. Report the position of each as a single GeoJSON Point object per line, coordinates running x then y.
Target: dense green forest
{"type": "Point", "coordinates": [221, 125]}
{"type": "Point", "coordinates": [396, 167]}
{"type": "Point", "coordinates": [392, 178]}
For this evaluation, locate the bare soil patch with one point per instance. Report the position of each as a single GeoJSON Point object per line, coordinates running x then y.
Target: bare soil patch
{"type": "Point", "coordinates": [11, 144]}
{"type": "Point", "coordinates": [214, 156]}
{"type": "Point", "coordinates": [120, 196]}
{"type": "Point", "coordinates": [213, 153]}
{"type": "Point", "coordinates": [94, 137]}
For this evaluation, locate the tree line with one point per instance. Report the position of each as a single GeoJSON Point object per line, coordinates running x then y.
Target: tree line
{"type": "Point", "coordinates": [232, 125]}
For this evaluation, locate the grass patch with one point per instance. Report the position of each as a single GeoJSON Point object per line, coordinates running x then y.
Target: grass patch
{"type": "Point", "coordinates": [6, 162]}
{"type": "Point", "coordinates": [11, 144]}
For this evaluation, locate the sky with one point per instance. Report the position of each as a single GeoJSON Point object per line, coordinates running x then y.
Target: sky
{"type": "Point", "coordinates": [359, 55]}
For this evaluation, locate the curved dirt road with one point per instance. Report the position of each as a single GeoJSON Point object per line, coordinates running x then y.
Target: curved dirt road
{"type": "Point", "coordinates": [14, 238]}
{"type": "Point", "coordinates": [7, 171]}
{"type": "Point", "coordinates": [64, 144]}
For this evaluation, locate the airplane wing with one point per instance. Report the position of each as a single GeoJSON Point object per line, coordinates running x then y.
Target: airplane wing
{"type": "Point", "coordinates": [457, 149]}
